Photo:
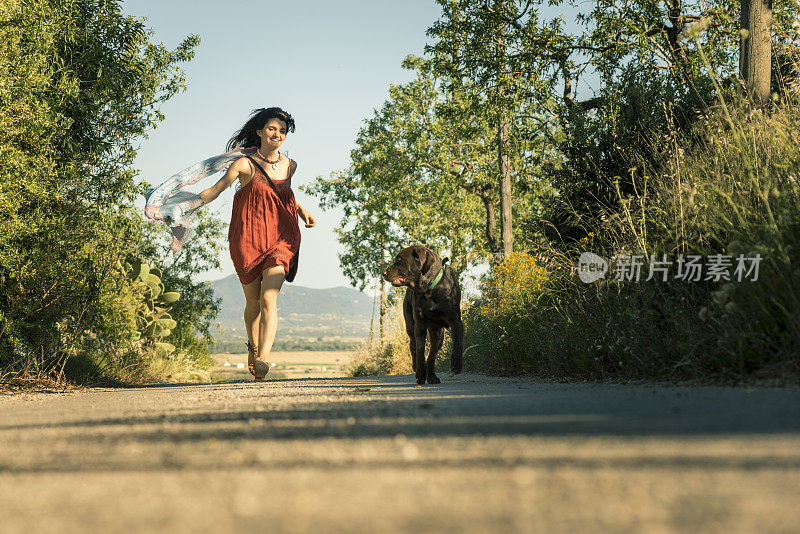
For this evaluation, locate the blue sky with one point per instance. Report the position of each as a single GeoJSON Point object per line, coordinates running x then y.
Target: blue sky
{"type": "Point", "coordinates": [328, 63]}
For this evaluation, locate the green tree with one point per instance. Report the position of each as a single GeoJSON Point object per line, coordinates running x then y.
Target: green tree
{"type": "Point", "coordinates": [422, 171]}
{"type": "Point", "coordinates": [80, 83]}
{"type": "Point", "coordinates": [647, 75]}
{"type": "Point", "coordinates": [460, 56]}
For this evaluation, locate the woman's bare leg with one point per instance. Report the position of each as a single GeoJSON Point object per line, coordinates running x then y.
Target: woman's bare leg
{"type": "Point", "coordinates": [271, 282]}
{"type": "Point", "coordinates": [252, 312]}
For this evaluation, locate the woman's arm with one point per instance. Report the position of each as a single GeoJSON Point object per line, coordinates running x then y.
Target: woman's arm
{"type": "Point", "coordinates": [306, 216]}
{"type": "Point", "coordinates": [238, 169]}
{"type": "Point", "coordinates": [301, 211]}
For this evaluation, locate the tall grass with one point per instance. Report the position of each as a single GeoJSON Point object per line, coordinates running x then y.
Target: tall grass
{"type": "Point", "coordinates": [386, 356]}
{"type": "Point", "coordinates": [392, 354]}
{"type": "Point", "coordinates": [731, 186]}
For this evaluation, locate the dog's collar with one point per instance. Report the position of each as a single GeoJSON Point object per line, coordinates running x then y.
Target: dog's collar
{"type": "Point", "coordinates": [437, 279]}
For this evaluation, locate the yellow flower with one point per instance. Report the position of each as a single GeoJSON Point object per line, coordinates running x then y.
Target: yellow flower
{"type": "Point", "coordinates": [514, 283]}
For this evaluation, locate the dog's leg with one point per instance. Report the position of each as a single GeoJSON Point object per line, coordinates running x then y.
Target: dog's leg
{"type": "Point", "coordinates": [437, 337]}
{"type": "Point", "coordinates": [412, 345]}
{"type": "Point", "coordinates": [408, 315]}
{"type": "Point", "coordinates": [457, 330]}
{"type": "Point", "coordinates": [420, 332]}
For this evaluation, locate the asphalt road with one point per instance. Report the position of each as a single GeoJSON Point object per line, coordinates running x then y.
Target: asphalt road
{"type": "Point", "coordinates": [471, 455]}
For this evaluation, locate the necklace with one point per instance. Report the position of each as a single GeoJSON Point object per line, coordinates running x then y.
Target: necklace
{"type": "Point", "coordinates": [273, 163]}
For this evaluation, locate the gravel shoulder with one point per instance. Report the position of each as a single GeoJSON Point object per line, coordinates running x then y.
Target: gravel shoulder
{"type": "Point", "coordinates": [381, 454]}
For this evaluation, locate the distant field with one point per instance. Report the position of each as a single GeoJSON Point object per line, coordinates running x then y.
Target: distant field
{"type": "Point", "coordinates": [309, 364]}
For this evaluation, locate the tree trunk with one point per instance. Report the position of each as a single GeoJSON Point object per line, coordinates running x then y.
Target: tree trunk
{"type": "Point", "coordinates": [755, 60]}
{"type": "Point", "coordinates": [382, 303]}
{"type": "Point", "coordinates": [382, 311]}
{"type": "Point", "coordinates": [491, 224]}
{"type": "Point", "coordinates": [506, 230]}
{"type": "Point", "coordinates": [372, 322]}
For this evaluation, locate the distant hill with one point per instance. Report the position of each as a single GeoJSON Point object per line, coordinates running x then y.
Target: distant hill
{"type": "Point", "coordinates": [303, 312]}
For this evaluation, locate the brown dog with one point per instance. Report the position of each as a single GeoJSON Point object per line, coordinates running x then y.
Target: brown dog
{"type": "Point", "coordinates": [432, 303]}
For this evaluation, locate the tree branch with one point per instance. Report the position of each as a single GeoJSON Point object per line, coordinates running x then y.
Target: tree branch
{"type": "Point", "coordinates": [586, 105]}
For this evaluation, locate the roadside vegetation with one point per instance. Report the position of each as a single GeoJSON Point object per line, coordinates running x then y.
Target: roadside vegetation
{"type": "Point", "coordinates": [731, 188]}
{"type": "Point", "coordinates": [384, 355]}
{"type": "Point", "coordinates": [524, 139]}
{"type": "Point", "coordinates": [640, 131]}
{"type": "Point", "coordinates": [87, 294]}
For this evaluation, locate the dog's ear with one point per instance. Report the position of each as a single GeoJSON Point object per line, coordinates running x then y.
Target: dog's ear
{"type": "Point", "coordinates": [414, 264]}
{"type": "Point", "coordinates": [431, 265]}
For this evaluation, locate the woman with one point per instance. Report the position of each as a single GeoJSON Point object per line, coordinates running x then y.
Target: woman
{"type": "Point", "coordinates": [264, 235]}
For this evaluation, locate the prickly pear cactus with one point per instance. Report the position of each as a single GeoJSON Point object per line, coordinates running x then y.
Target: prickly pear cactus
{"type": "Point", "coordinates": [153, 321]}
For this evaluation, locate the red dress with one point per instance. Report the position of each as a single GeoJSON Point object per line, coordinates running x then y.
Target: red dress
{"type": "Point", "coordinates": [263, 233]}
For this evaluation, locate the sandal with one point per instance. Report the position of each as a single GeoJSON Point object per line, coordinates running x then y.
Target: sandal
{"type": "Point", "coordinates": [258, 368]}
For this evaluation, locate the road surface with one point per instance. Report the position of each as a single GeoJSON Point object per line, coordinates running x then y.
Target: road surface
{"type": "Point", "coordinates": [471, 455]}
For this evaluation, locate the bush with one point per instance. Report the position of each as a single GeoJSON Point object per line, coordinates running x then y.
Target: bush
{"type": "Point", "coordinates": [730, 186]}
{"type": "Point", "coordinates": [81, 84]}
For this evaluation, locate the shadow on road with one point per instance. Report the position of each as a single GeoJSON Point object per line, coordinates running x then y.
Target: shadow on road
{"type": "Point", "coordinates": [388, 406]}
{"type": "Point", "coordinates": [101, 430]}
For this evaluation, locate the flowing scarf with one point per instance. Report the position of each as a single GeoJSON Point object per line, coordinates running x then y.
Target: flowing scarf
{"type": "Point", "coordinates": [172, 205]}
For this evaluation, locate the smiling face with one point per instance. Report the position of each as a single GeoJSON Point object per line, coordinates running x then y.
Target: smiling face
{"type": "Point", "coordinates": [273, 134]}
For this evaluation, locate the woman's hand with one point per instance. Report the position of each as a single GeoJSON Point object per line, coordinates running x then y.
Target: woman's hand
{"type": "Point", "coordinates": [304, 214]}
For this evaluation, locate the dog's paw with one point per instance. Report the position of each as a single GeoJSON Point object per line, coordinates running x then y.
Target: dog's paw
{"type": "Point", "coordinates": [434, 380]}
{"type": "Point", "coordinates": [455, 370]}
{"type": "Point", "coordinates": [421, 381]}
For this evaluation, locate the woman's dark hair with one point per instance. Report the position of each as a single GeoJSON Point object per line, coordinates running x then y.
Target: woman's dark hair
{"type": "Point", "coordinates": [247, 136]}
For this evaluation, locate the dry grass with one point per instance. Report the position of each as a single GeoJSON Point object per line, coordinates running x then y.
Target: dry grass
{"type": "Point", "coordinates": [392, 355]}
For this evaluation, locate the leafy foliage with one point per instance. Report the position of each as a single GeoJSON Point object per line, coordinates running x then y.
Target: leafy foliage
{"type": "Point", "coordinates": [80, 83]}
{"type": "Point", "coordinates": [423, 171]}
{"type": "Point", "coordinates": [728, 188]}
{"type": "Point", "coordinates": [661, 155]}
